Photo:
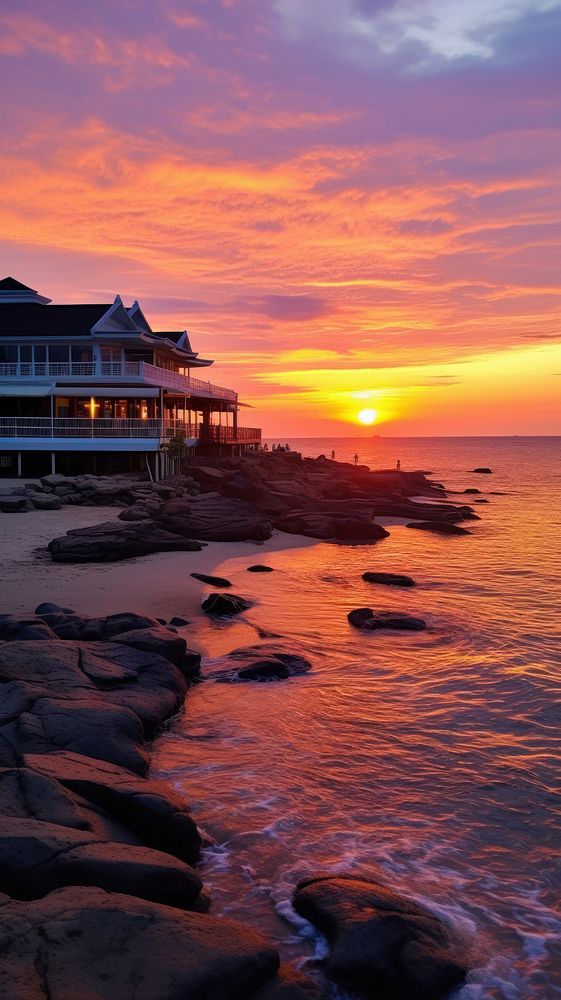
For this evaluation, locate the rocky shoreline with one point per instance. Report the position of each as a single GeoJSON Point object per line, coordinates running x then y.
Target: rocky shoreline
{"type": "Point", "coordinates": [237, 499]}
{"type": "Point", "coordinates": [100, 892]}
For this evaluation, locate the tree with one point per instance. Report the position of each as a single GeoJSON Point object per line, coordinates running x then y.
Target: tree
{"type": "Point", "coordinates": [174, 448]}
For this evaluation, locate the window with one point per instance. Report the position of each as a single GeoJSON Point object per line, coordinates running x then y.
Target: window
{"type": "Point", "coordinates": [40, 354]}
{"type": "Point", "coordinates": [58, 354]}
{"type": "Point", "coordinates": [80, 354]}
{"type": "Point", "coordinates": [8, 354]}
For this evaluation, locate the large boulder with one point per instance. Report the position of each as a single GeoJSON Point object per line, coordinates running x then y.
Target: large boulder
{"type": "Point", "coordinates": [12, 628]}
{"type": "Point", "coordinates": [150, 809]}
{"type": "Point", "coordinates": [37, 857]}
{"type": "Point", "coordinates": [44, 501]}
{"type": "Point", "coordinates": [351, 530]}
{"type": "Point", "coordinates": [13, 505]}
{"type": "Point", "coordinates": [383, 945]}
{"type": "Point", "coordinates": [112, 541]}
{"type": "Point", "coordinates": [266, 661]}
{"type": "Point", "coordinates": [25, 792]}
{"type": "Point", "coordinates": [212, 517]}
{"type": "Point", "coordinates": [84, 942]}
{"type": "Point", "coordinates": [86, 726]}
{"type": "Point", "coordinates": [366, 618]}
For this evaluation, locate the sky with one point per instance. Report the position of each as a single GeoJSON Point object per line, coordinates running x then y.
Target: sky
{"type": "Point", "coordinates": [350, 204]}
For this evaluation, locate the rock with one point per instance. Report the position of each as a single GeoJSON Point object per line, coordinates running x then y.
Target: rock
{"type": "Point", "coordinates": [263, 662]}
{"type": "Point", "coordinates": [26, 793]}
{"type": "Point", "coordinates": [258, 568]}
{"type": "Point", "coordinates": [13, 505]}
{"type": "Point", "coordinates": [135, 513]}
{"type": "Point", "coordinates": [225, 604]}
{"type": "Point", "coordinates": [156, 640]}
{"type": "Point", "coordinates": [84, 942]}
{"type": "Point", "coordinates": [351, 529]}
{"type": "Point", "coordinates": [177, 621]}
{"type": "Point", "coordinates": [383, 945]}
{"type": "Point", "coordinates": [44, 501]}
{"type": "Point", "coordinates": [472, 489]}
{"type": "Point", "coordinates": [12, 629]}
{"type": "Point", "coordinates": [366, 618]}
{"type": "Point", "coordinates": [111, 541]}
{"type": "Point", "coordinates": [213, 581]}
{"type": "Point", "coordinates": [84, 726]}
{"type": "Point", "coordinates": [439, 527]}
{"type": "Point", "coordinates": [212, 517]}
{"type": "Point", "coordinates": [391, 579]}
{"type": "Point", "coordinates": [143, 682]}
{"type": "Point", "coordinates": [484, 470]}
{"type": "Point", "coordinates": [150, 809]}
{"type": "Point", "coordinates": [38, 857]}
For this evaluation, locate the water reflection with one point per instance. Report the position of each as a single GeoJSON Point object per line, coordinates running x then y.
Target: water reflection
{"type": "Point", "coordinates": [430, 758]}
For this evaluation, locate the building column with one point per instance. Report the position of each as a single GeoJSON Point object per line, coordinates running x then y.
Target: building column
{"type": "Point", "coordinates": [53, 463]}
{"type": "Point", "coordinates": [19, 464]}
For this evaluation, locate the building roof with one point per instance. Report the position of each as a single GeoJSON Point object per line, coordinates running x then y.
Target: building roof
{"type": "Point", "coordinates": [30, 319]}
{"type": "Point", "coordinates": [25, 313]}
{"type": "Point", "coordinates": [10, 284]}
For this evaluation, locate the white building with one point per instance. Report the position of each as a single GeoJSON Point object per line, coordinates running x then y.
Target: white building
{"type": "Point", "coordinates": [92, 388]}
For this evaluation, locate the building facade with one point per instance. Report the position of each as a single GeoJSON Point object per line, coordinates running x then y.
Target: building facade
{"type": "Point", "coordinates": [93, 388]}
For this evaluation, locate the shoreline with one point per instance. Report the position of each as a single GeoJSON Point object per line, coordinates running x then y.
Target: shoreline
{"type": "Point", "coordinates": [159, 585]}
{"type": "Point", "coordinates": [150, 671]}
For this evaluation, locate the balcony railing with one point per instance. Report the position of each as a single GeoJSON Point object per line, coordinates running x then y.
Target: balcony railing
{"type": "Point", "coordinates": [79, 427]}
{"type": "Point", "coordinates": [137, 370]}
{"type": "Point", "coordinates": [114, 427]}
{"type": "Point", "coordinates": [214, 434]}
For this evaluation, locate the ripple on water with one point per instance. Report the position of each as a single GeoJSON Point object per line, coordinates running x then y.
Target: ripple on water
{"type": "Point", "coordinates": [428, 759]}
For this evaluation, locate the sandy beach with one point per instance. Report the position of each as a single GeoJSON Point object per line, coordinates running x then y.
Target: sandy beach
{"type": "Point", "coordinates": [159, 585]}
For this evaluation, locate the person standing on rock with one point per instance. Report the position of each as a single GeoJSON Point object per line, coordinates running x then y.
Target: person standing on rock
{"type": "Point", "coordinates": [356, 458]}
{"type": "Point", "coordinates": [398, 465]}
{"type": "Point", "coordinates": [332, 456]}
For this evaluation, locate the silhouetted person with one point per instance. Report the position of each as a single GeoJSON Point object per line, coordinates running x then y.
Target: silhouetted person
{"type": "Point", "coordinates": [356, 459]}
{"type": "Point", "coordinates": [332, 456]}
{"type": "Point", "coordinates": [398, 465]}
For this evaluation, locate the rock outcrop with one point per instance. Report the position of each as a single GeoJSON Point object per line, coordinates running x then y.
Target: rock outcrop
{"type": "Point", "coordinates": [84, 942]}
{"type": "Point", "coordinates": [97, 893]}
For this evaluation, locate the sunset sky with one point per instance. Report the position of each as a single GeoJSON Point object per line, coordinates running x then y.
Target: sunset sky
{"type": "Point", "coordinates": [348, 203]}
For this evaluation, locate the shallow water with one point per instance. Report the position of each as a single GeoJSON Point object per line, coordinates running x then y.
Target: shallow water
{"type": "Point", "coordinates": [430, 759]}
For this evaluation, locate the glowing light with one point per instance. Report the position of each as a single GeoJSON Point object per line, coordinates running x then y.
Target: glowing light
{"type": "Point", "coordinates": [367, 416]}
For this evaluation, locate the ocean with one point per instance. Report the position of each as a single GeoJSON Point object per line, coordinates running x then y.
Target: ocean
{"type": "Point", "coordinates": [430, 760]}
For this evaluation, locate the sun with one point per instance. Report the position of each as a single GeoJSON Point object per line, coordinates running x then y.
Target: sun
{"type": "Point", "coordinates": [367, 416]}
